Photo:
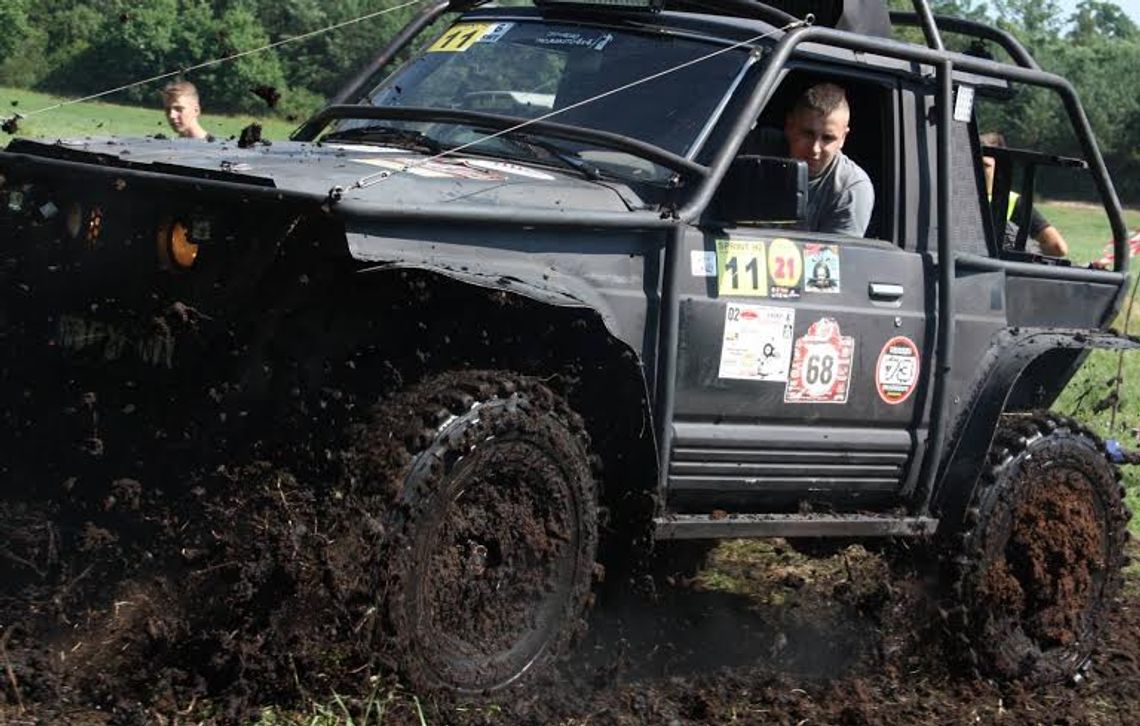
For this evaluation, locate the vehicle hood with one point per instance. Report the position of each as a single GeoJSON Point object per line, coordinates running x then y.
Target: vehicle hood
{"type": "Point", "coordinates": [366, 174]}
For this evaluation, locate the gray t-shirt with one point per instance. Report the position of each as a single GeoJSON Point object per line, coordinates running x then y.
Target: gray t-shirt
{"type": "Point", "coordinates": [840, 199]}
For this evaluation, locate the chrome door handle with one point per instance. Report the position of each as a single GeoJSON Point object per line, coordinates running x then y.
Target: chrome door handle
{"type": "Point", "coordinates": [885, 291]}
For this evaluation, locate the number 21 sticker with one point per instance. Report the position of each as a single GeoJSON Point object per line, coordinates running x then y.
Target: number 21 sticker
{"type": "Point", "coordinates": [786, 267]}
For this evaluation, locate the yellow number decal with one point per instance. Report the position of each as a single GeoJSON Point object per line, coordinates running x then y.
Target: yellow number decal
{"type": "Point", "coordinates": [741, 268]}
{"type": "Point", "coordinates": [785, 262]}
{"type": "Point", "coordinates": [459, 37]}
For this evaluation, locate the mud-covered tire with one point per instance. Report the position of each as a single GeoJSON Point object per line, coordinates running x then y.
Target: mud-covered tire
{"type": "Point", "coordinates": [1038, 562]}
{"type": "Point", "coordinates": [493, 537]}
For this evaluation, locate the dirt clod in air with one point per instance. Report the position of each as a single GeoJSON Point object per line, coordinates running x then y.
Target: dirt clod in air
{"type": "Point", "coordinates": [269, 94]}
{"type": "Point", "coordinates": [250, 136]}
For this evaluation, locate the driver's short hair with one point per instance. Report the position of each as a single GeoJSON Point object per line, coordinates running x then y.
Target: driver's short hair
{"type": "Point", "coordinates": [994, 139]}
{"type": "Point", "coordinates": [822, 98]}
{"type": "Point", "coordinates": [175, 89]}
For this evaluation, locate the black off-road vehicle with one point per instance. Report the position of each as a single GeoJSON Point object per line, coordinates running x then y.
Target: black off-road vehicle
{"type": "Point", "coordinates": [537, 300]}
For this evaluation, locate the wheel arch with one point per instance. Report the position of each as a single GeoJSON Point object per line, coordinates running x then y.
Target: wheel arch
{"type": "Point", "coordinates": [1023, 369]}
{"type": "Point", "coordinates": [572, 345]}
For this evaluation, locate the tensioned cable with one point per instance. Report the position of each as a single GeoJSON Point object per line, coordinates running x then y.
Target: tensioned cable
{"type": "Point", "coordinates": [367, 181]}
{"type": "Point", "coordinates": [224, 59]}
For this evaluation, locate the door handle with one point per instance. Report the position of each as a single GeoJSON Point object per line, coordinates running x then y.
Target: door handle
{"type": "Point", "coordinates": [885, 291]}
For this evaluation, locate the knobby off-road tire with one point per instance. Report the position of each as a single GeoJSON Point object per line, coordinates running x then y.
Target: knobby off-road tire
{"type": "Point", "coordinates": [1038, 563]}
{"type": "Point", "coordinates": [492, 541]}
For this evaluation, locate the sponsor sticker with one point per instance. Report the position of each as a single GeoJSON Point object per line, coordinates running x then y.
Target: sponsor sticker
{"type": "Point", "coordinates": [821, 265]}
{"type": "Point", "coordinates": [785, 269]}
{"type": "Point", "coordinates": [461, 36]}
{"type": "Point", "coordinates": [435, 169]}
{"type": "Point", "coordinates": [508, 168]}
{"type": "Point", "coordinates": [574, 39]}
{"type": "Point", "coordinates": [741, 267]}
{"type": "Point", "coordinates": [896, 373]}
{"type": "Point", "coordinates": [703, 264]}
{"type": "Point", "coordinates": [821, 366]}
{"type": "Point", "coordinates": [757, 342]}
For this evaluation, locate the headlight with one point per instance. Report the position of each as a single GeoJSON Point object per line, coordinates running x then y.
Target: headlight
{"type": "Point", "coordinates": [176, 249]}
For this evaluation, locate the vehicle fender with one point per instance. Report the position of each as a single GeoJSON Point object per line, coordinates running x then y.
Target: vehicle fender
{"type": "Point", "coordinates": [534, 276]}
{"type": "Point", "coordinates": [1011, 352]}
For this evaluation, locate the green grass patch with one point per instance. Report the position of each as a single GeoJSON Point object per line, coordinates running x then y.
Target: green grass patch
{"type": "Point", "coordinates": [1086, 228]}
{"type": "Point", "coordinates": [95, 118]}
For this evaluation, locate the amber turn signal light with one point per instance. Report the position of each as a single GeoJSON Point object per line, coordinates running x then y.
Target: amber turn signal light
{"type": "Point", "coordinates": [175, 248]}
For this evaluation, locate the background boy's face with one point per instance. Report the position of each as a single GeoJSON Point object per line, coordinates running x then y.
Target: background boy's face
{"type": "Point", "coordinates": [815, 138]}
{"type": "Point", "coordinates": [181, 113]}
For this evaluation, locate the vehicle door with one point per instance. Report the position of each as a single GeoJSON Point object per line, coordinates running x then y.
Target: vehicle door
{"type": "Point", "coordinates": [801, 355]}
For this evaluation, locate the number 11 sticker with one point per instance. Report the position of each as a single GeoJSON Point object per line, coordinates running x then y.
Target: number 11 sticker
{"type": "Point", "coordinates": [740, 268]}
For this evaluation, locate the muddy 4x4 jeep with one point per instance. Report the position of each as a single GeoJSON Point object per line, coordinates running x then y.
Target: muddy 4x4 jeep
{"type": "Point", "coordinates": [537, 299]}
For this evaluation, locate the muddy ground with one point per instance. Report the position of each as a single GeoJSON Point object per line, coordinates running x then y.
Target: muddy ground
{"type": "Point", "coordinates": [129, 606]}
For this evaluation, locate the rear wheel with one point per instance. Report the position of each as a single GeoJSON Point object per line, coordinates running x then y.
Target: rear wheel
{"type": "Point", "coordinates": [1040, 559]}
{"type": "Point", "coordinates": [494, 536]}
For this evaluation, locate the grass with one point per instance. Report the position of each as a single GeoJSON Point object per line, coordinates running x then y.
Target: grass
{"type": "Point", "coordinates": [95, 118]}
{"type": "Point", "coordinates": [1086, 229]}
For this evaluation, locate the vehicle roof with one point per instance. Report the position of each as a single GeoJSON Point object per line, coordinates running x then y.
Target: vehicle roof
{"type": "Point", "coordinates": [726, 28]}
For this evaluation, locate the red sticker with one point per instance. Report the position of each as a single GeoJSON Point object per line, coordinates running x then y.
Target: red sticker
{"type": "Point", "coordinates": [821, 365]}
{"type": "Point", "coordinates": [896, 373]}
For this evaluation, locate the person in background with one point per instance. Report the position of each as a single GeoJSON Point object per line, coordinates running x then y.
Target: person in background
{"type": "Point", "coordinates": [1048, 238]}
{"type": "Point", "coordinates": [840, 194]}
{"type": "Point", "coordinates": [180, 100]}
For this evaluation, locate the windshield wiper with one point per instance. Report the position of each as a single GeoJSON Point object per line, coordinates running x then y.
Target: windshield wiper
{"type": "Point", "coordinates": [388, 135]}
{"type": "Point", "coordinates": [567, 158]}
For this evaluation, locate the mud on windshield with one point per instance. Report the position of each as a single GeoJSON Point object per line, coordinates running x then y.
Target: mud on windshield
{"type": "Point", "coordinates": [532, 69]}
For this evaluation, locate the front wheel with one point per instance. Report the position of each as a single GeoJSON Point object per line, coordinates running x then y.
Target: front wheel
{"type": "Point", "coordinates": [1040, 560]}
{"type": "Point", "coordinates": [494, 539]}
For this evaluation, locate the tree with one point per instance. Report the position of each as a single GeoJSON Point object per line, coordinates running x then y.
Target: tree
{"type": "Point", "coordinates": [14, 28]}
{"type": "Point", "coordinates": [1098, 19]}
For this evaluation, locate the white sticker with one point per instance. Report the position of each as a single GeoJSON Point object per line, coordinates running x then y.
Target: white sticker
{"type": "Point", "coordinates": [703, 263]}
{"type": "Point", "coordinates": [434, 169]}
{"type": "Point", "coordinates": [964, 104]}
{"type": "Point", "coordinates": [821, 367]}
{"type": "Point", "coordinates": [757, 342]}
{"type": "Point", "coordinates": [896, 373]}
{"type": "Point", "coordinates": [508, 168]}
{"type": "Point", "coordinates": [495, 33]}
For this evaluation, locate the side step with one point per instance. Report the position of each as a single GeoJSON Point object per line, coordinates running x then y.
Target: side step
{"type": "Point", "coordinates": [727, 526]}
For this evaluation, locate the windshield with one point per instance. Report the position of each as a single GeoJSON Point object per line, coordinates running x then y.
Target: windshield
{"type": "Point", "coordinates": [533, 68]}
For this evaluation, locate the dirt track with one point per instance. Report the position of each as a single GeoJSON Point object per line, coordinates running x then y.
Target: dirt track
{"type": "Point", "coordinates": [762, 635]}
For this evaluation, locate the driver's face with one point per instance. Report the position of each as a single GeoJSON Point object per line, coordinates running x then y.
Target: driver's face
{"type": "Point", "coordinates": [181, 113]}
{"type": "Point", "coordinates": [815, 138]}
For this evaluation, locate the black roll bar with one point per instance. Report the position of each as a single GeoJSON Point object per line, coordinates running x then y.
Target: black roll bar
{"type": "Point", "coordinates": [973, 29]}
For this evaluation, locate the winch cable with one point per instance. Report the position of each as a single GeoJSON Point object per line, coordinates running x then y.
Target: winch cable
{"type": "Point", "coordinates": [223, 59]}
{"type": "Point", "coordinates": [371, 179]}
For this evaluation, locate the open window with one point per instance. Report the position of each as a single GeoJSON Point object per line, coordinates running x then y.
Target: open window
{"type": "Point", "coordinates": [1032, 179]}
{"type": "Point", "coordinates": [870, 144]}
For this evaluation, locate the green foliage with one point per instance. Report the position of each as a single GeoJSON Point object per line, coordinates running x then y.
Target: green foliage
{"type": "Point", "coordinates": [14, 28]}
{"type": "Point", "coordinates": [1098, 19]}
